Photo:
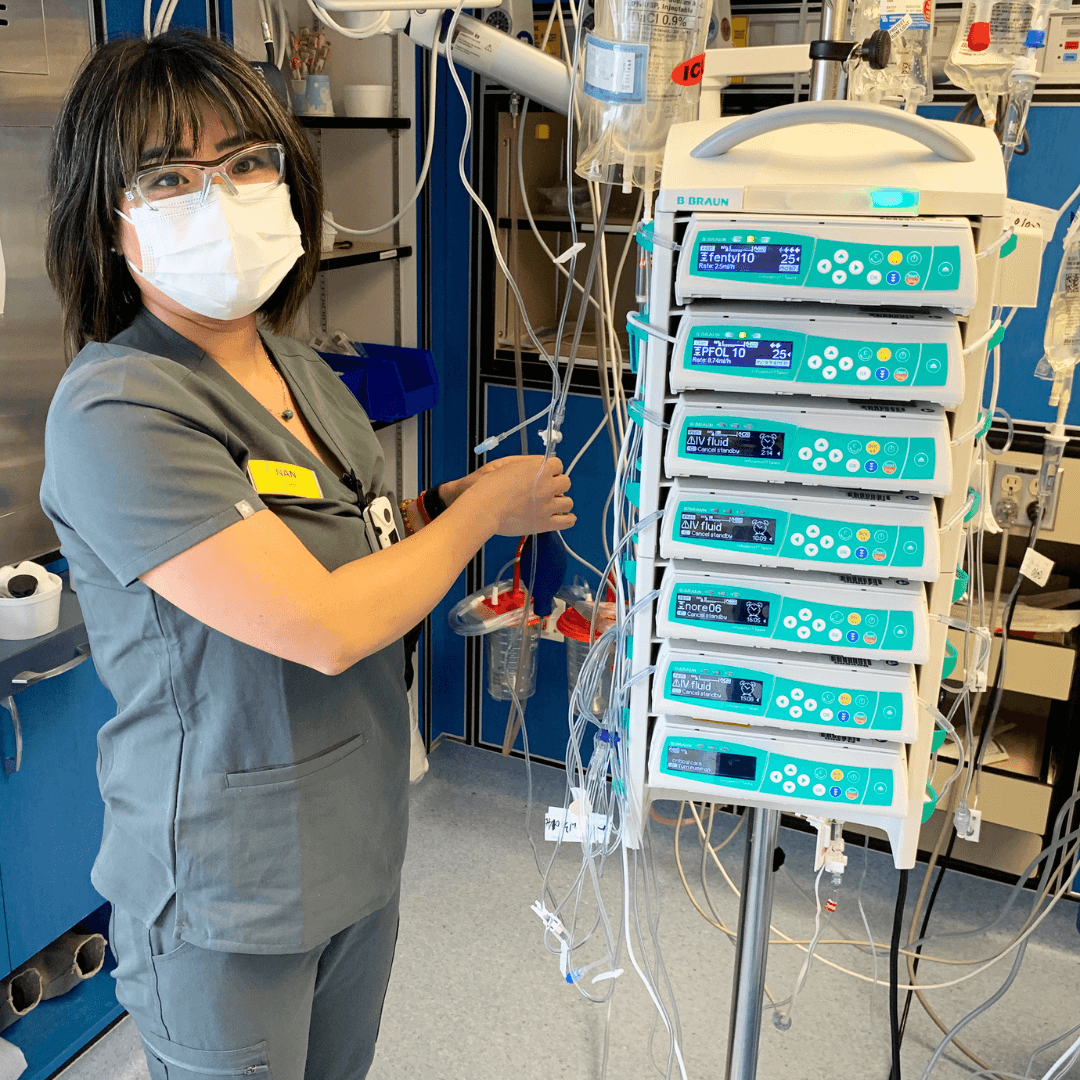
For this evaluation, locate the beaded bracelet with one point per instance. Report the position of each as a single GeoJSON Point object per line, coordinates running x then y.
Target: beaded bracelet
{"type": "Point", "coordinates": [432, 502]}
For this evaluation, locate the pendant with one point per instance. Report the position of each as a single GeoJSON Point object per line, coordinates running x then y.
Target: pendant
{"type": "Point", "coordinates": [288, 414]}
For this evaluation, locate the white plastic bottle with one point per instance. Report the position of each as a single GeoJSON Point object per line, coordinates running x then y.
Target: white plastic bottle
{"type": "Point", "coordinates": [1061, 343]}
{"type": "Point", "coordinates": [627, 97]}
{"type": "Point", "coordinates": [907, 81]}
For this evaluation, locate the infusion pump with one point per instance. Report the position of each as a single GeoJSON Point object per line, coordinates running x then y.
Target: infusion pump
{"type": "Point", "coordinates": [823, 613]}
{"type": "Point", "coordinates": [871, 699]}
{"type": "Point", "coordinates": [920, 263]}
{"type": "Point", "coordinates": [885, 447]}
{"type": "Point", "coordinates": [879, 534]}
{"type": "Point", "coordinates": [814, 349]}
{"type": "Point", "coordinates": [808, 776]}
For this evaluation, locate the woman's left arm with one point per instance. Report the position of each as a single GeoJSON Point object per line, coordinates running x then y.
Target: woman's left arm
{"type": "Point", "coordinates": [413, 512]}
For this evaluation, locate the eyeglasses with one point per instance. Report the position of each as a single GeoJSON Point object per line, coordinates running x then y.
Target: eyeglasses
{"type": "Point", "coordinates": [260, 163]}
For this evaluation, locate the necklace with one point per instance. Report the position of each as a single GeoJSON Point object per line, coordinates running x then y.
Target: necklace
{"type": "Point", "coordinates": [286, 413]}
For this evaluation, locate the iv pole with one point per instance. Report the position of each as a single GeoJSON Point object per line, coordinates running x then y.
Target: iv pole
{"type": "Point", "coordinates": [763, 826]}
{"type": "Point", "coordinates": [752, 944]}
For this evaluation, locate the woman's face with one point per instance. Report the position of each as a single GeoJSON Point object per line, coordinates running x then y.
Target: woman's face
{"type": "Point", "coordinates": [215, 140]}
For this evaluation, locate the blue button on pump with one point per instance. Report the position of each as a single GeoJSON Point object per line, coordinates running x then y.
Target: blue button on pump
{"type": "Point", "coordinates": [892, 277]}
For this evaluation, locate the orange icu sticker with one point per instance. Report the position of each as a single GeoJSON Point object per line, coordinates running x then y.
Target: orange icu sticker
{"type": "Point", "coordinates": [690, 72]}
{"type": "Point", "coordinates": [283, 478]}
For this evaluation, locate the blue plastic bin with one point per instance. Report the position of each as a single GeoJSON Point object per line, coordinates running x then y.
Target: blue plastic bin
{"type": "Point", "coordinates": [391, 382]}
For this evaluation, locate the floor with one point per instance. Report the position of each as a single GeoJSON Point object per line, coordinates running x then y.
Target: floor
{"type": "Point", "coordinates": [475, 995]}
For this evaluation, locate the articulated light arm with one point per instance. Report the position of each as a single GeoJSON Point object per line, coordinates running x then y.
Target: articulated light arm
{"type": "Point", "coordinates": [481, 48]}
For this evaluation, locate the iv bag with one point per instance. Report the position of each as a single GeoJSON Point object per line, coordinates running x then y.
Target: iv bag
{"type": "Point", "coordinates": [1061, 343]}
{"type": "Point", "coordinates": [990, 36]}
{"type": "Point", "coordinates": [907, 81]}
{"type": "Point", "coordinates": [626, 95]}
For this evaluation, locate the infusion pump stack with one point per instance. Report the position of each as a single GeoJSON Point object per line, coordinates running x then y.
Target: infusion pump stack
{"type": "Point", "coordinates": [817, 349]}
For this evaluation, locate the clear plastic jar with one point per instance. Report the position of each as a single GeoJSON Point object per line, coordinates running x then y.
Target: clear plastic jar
{"type": "Point", "coordinates": [503, 651]}
{"type": "Point", "coordinates": [574, 627]}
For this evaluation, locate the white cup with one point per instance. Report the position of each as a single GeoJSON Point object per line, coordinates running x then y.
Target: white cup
{"type": "Point", "coordinates": [29, 616]}
{"type": "Point", "coordinates": [367, 100]}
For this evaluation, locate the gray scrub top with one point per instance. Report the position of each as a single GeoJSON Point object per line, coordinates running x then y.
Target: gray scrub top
{"type": "Point", "coordinates": [271, 799]}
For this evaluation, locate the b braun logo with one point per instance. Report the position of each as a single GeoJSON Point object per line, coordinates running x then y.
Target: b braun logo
{"type": "Point", "coordinates": [703, 200]}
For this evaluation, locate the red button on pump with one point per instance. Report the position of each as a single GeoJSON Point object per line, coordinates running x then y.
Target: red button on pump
{"type": "Point", "coordinates": [978, 39]}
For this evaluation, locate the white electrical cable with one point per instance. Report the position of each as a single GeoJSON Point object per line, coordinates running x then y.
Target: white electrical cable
{"type": "Point", "coordinates": [377, 26]}
{"type": "Point", "coordinates": [164, 17]}
{"type": "Point", "coordinates": [1065, 205]}
{"type": "Point", "coordinates": [284, 32]}
{"type": "Point", "coordinates": [983, 966]}
{"type": "Point", "coordinates": [424, 168]}
{"type": "Point", "coordinates": [485, 213]}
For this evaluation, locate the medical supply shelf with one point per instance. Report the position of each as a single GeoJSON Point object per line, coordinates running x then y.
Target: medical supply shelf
{"type": "Point", "coordinates": [50, 809]}
{"type": "Point", "coordinates": [368, 253]}
{"type": "Point", "coordinates": [44, 653]}
{"type": "Point", "coordinates": [388, 123]}
{"type": "Point", "coordinates": [50, 827]}
{"type": "Point", "coordinates": [57, 1030]}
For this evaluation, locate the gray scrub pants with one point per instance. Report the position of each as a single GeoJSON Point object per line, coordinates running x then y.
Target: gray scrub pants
{"type": "Point", "coordinates": [298, 1016]}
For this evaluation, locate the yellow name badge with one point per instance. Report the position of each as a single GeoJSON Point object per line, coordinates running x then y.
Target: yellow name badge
{"type": "Point", "coordinates": [283, 478]}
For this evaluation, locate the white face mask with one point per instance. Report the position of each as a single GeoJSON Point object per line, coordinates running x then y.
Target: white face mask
{"type": "Point", "coordinates": [224, 257]}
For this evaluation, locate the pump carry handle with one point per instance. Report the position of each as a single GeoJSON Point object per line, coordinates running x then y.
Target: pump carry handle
{"type": "Point", "coordinates": [941, 142]}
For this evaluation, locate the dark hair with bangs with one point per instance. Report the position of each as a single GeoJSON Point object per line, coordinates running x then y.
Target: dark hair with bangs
{"type": "Point", "coordinates": [125, 88]}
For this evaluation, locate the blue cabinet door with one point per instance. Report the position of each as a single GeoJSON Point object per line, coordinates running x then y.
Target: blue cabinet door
{"type": "Point", "coordinates": [50, 810]}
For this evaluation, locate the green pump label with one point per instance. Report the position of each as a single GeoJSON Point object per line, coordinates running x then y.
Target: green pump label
{"type": "Point", "coordinates": [803, 538]}
{"type": "Point", "coordinates": [723, 689]}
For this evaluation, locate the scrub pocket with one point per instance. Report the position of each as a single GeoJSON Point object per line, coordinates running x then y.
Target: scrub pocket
{"type": "Point", "coordinates": [171, 1061]}
{"type": "Point", "coordinates": [280, 859]}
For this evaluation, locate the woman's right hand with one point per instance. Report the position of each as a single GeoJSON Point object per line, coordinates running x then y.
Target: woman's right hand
{"type": "Point", "coordinates": [526, 494]}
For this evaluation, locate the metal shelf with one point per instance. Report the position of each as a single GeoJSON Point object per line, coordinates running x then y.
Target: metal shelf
{"type": "Point", "coordinates": [367, 253]}
{"type": "Point", "coordinates": [387, 123]}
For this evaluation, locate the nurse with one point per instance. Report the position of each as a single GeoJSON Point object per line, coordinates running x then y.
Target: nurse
{"type": "Point", "coordinates": [208, 479]}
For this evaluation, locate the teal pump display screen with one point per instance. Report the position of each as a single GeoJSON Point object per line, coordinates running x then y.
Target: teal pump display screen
{"type": "Point", "coordinates": [730, 351]}
{"type": "Point", "coordinates": [743, 442]}
{"type": "Point", "coordinates": [746, 258]}
{"type": "Point", "coordinates": [691, 759]}
{"type": "Point", "coordinates": [759, 614]}
{"type": "Point", "coordinates": [691, 607]}
{"type": "Point", "coordinates": [752, 768]}
{"type": "Point", "coordinates": [764, 696]}
{"type": "Point", "coordinates": [706, 685]}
